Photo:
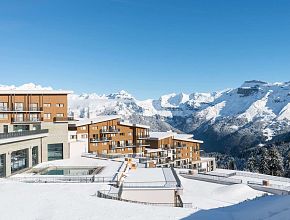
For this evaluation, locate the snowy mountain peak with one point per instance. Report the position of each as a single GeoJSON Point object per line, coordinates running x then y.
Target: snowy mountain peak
{"type": "Point", "coordinates": [121, 95]}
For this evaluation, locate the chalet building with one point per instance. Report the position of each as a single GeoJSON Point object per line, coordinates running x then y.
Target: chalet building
{"type": "Point", "coordinates": [178, 150]}
{"type": "Point", "coordinates": [109, 136]}
{"type": "Point", "coordinates": [33, 128]}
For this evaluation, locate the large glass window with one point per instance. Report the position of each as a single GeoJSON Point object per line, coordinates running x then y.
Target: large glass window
{"type": "Point", "coordinates": [2, 165]}
{"type": "Point", "coordinates": [33, 107]}
{"type": "Point", "coordinates": [33, 117]}
{"type": "Point", "coordinates": [21, 128]}
{"type": "Point", "coordinates": [19, 160]}
{"type": "Point", "coordinates": [55, 151]}
{"type": "Point", "coordinates": [18, 106]}
{"type": "Point", "coordinates": [34, 155]}
{"type": "Point", "coordinates": [3, 106]}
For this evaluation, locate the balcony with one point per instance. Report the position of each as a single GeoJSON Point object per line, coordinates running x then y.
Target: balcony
{"type": "Point", "coordinates": [21, 109]}
{"type": "Point", "coordinates": [63, 119]}
{"type": "Point", "coordinates": [22, 133]}
{"type": "Point", "coordinates": [12, 137]}
{"type": "Point", "coordinates": [110, 131]}
{"type": "Point", "coordinates": [99, 140]}
{"type": "Point", "coordinates": [143, 137]}
{"type": "Point", "coordinates": [25, 120]}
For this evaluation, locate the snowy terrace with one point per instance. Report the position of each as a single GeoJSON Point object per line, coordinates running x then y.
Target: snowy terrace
{"type": "Point", "coordinates": [275, 185]}
{"type": "Point", "coordinates": [102, 171]}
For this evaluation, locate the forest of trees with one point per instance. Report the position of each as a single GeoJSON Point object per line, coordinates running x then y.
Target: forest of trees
{"type": "Point", "coordinates": [272, 160]}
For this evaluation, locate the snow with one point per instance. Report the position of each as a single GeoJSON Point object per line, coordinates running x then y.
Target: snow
{"type": "Point", "coordinates": [146, 175]}
{"type": "Point", "coordinates": [27, 86]}
{"type": "Point", "coordinates": [206, 195]}
{"type": "Point", "coordinates": [97, 119]}
{"type": "Point", "coordinates": [74, 202]}
{"type": "Point", "coordinates": [161, 135]}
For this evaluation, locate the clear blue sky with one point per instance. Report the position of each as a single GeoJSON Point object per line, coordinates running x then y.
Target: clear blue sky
{"type": "Point", "coordinates": [147, 47]}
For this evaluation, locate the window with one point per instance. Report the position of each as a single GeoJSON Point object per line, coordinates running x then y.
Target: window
{"type": "Point", "coordinates": [55, 151]}
{"type": "Point", "coordinates": [3, 106]}
{"type": "Point", "coordinates": [59, 105]}
{"type": "Point", "coordinates": [2, 165]}
{"type": "Point", "coordinates": [47, 116]}
{"type": "Point", "coordinates": [34, 155]}
{"type": "Point", "coordinates": [130, 134]}
{"type": "Point", "coordinates": [59, 115]}
{"type": "Point", "coordinates": [19, 118]}
{"type": "Point", "coordinates": [33, 107]}
{"type": "Point", "coordinates": [19, 160]}
{"type": "Point", "coordinates": [83, 128]}
{"type": "Point", "coordinates": [18, 106]}
{"type": "Point", "coordinates": [83, 136]}
{"type": "Point", "coordinates": [122, 134]}
{"type": "Point", "coordinates": [46, 105]}
{"type": "Point", "coordinates": [18, 128]}
{"type": "Point", "coordinates": [33, 117]}
{"type": "Point", "coordinates": [3, 116]}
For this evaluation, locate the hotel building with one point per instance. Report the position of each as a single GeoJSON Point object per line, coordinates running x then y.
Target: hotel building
{"type": "Point", "coordinates": [178, 150]}
{"type": "Point", "coordinates": [33, 128]}
{"type": "Point", "coordinates": [109, 136]}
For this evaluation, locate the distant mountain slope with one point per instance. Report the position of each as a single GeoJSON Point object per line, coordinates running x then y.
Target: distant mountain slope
{"type": "Point", "coordinates": [228, 121]}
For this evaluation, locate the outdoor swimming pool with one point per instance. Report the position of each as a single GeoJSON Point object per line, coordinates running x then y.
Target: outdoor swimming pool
{"type": "Point", "coordinates": [70, 171]}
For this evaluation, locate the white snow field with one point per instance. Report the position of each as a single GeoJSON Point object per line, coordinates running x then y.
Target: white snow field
{"type": "Point", "coordinates": [205, 195]}
{"type": "Point", "coordinates": [78, 201]}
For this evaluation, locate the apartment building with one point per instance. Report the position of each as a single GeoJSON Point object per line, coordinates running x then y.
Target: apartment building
{"type": "Point", "coordinates": [177, 150]}
{"type": "Point", "coordinates": [33, 128]}
{"type": "Point", "coordinates": [109, 136]}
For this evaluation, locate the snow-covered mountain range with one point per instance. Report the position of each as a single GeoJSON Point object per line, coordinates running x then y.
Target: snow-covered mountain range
{"type": "Point", "coordinates": [228, 121]}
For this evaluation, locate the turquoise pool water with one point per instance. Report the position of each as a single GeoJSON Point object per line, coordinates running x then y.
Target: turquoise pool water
{"type": "Point", "coordinates": [69, 171]}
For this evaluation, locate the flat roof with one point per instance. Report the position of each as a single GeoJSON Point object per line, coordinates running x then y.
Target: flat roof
{"type": "Point", "coordinates": [34, 92]}
{"type": "Point", "coordinates": [158, 177]}
{"type": "Point", "coordinates": [133, 125]}
{"type": "Point", "coordinates": [98, 119]}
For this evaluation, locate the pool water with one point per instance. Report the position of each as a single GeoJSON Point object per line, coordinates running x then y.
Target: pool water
{"type": "Point", "coordinates": [69, 171]}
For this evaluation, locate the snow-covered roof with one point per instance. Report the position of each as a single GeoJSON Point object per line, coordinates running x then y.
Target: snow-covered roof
{"type": "Point", "coordinates": [30, 88]}
{"type": "Point", "coordinates": [174, 135]}
{"type": "Point", "coordinates": [36, 92]}
{"type": "Point", "coordinates": [133, 125]}
{"type": "Point", "coordinates": [161, 135]}
{"type": "Point", "coordinates": [97, 120]}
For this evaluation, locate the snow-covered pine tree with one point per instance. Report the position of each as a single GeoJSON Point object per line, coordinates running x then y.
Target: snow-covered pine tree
{"type": "Point", "coordinates": [275, 162]}
{"type": "Point", "coordinates": [264, 161]}
{"type": "Point", "coordinates": [252, 165]}
{"type": "Point", "coordinates": [287, 166]}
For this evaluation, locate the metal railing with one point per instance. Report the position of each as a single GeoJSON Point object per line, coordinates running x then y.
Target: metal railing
{"type": "Point", "coordinates": [105, 195]}
{"type": "Point", "coordinates": [21, 109]}
{"type": "Point", "coordinates": [96, 140]}
{"type": "Point", "coordinates": [25, 120]}
{"type": "Point", "coordinates": [22, 133]}
{"type": "Point", "coordinates": [176, 177]}
{"type": "Point", "coordinates": [63, 119]}
{"type": "Point", "coordinates": [262, 176]}
{"type": "Point", "coordinates": [62, 179]}
{"type": "Point", "coordinates": [209, 178]}
{"type": "Point", "coordinates": [151, 184]}
{"type": "Point", "coordinates": [143, 137]}
{"type": "Point", "coordinates": [110, 130]}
